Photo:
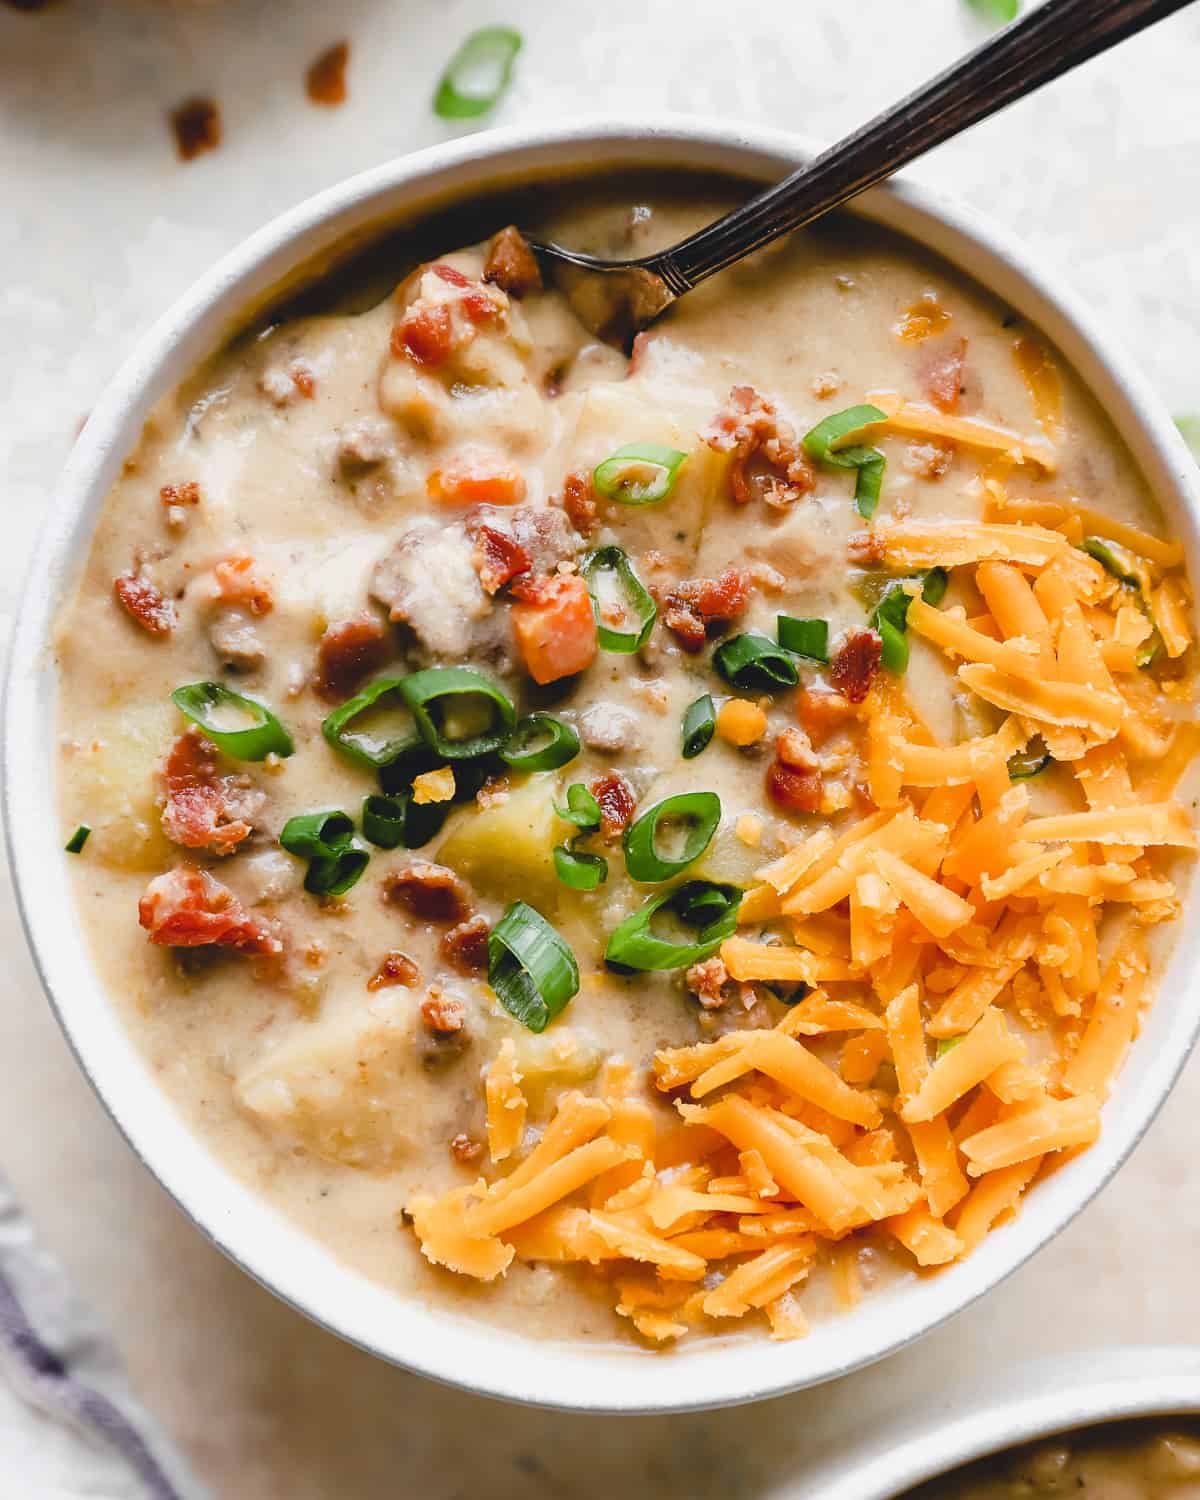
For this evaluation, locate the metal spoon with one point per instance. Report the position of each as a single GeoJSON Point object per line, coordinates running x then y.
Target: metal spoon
{"type": "Point", "coordinates": [620, 297]}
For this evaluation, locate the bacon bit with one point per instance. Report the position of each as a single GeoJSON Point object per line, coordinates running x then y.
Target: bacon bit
{"type": "Point", "coordinates": [796, 791]}
{"type": "Point", "coordinates": [943, 376]}
{"type": "Point", "coordinates": [822, 713]}
{"type": "Point", "coordinates": [494, 792]}
{"type": "Point", "coordinates": [925, 317]}
{"type": "Point", "coordinates": [794, 749]}
{"type": "Point", "coordinates": [430, 892]}
{"type": "Point", "coordinates": [451, 275]}
{"type": "Point", "coordinates": [187, 493]}
{"type": "Point", "coordinates": [396, 968]}
{"type": "Point", "coordinates": [554, 627]}
{"type": "Point", "coordinates": [617, 802]}
{"type": "Point", "coordinates": [349, 652]}
{"type": "Point", "coordinates": [146, 604]}
{"type": "Point", "coordinates": [707, 981]}
{"type": "Point", "coordinates": [853, 668]}
{"type": "Point", "coordinates": [425, 334]}
{"type": "Point", "coordinates": [443, 1014]}
{"type": "Point", "coordinates": [697, 603]}
{"type": "Point", "coordinates": [465, 1148]}
{"type": "Point", "coordinates": [466, 945]}
{"type": "Point", "coordinates": [498, 557]}
{"type": "Point", "coordinates": [187, 908]}
{"type": "Point", "coordinates": [928, 460]}
{"type": "Point", "coordinates": [241, 582]}
{"type": "Point", "coordinates": [197, 126]}
{"type": "Point", "coordinates": [511, 264]}
{"type": "Point", "coordinates": [325, 80]}
{"type": "Point", "coordinates": [303, 379]}
{"type": "Point", "coordinates": [579, 500]}
{"type": "Point", "coordinates": [205, 810]}
{"type": "Point", "coordinates": [768, 462]}
{"type": "Point", "coordinates": [476, 479]}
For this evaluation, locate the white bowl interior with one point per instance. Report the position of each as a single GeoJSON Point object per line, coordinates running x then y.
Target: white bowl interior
{"type": "Point", "coordinates": [431, 1339]}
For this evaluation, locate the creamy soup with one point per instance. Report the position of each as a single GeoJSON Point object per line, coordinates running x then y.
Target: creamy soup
{"type": "Point", "coordinates": [1120, 1461]}
{"type": "Point", "coordinates": [655, 843]}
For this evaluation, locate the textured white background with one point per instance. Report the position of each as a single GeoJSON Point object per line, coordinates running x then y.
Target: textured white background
{"type": "Point", "coordinates": [100, 227]}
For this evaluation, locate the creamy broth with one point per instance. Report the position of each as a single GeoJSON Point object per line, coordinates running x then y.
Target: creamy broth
{"type": "Point", "coordinates": [329, 469]}
{"type": "Point", "coordinates": [1120, 1461]}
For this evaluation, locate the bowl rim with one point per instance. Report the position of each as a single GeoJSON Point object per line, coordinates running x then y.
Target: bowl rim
{"type": "Point", "coordinates": [418, 1336]}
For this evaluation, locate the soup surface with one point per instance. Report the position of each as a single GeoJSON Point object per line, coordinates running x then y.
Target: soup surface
{"type": "Point", "coordinates": [658, 843]}
{"type": "Point", "coordinates": [1119, 1461]}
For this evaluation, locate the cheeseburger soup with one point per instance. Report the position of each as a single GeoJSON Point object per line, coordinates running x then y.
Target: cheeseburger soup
{"type": "Point", "coordinates": [653, 845]}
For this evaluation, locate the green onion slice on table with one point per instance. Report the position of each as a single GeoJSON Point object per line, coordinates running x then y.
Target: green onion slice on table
{"type": "Point", "coordinates": [349, 728]}
{"type": "Point", "coordinates": [808, 638]}
{"type": "Point", "coordinates": [639, 473]}
{"type": "Point", "coordinates": [695, 815]}
{"type": "Point", "coordinates": [706, 908]}
{"type": "Point", "coordinates": [223, 715]}
{"type": "Point", "coordinates": [477, 74]}
{"type": "Point", "coordinates": [530, 967]}
{"type": "Point", "coordinates": [820, 445]}
{"type": "Point", "coordinates": [755, 661]}
{"type": "Point", "coordinates": [75, 843]}
{"type": "Point", "coordinates": [540, 743]}
{"type": "Point", "coordinates": [699, 726]}
{"type": "Point", "coordinates": [460, 713]}
{"type": "Point", "coordinates": [325, 840]}
{"type": "Point", "coordinates": [631, 596]}
{"type": "Point", "coordinates": [578, 869]}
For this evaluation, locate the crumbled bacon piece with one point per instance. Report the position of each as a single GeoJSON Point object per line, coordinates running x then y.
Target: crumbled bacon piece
{"type": "Point", "coordinates": [707, 981]}
{"type": "Point", "coordinates": [187, 493]}
{"type": "Point", "coordinates": [466, 945]}
{"type": "Point", "coordinates": [617, 802]}
{"type": "Point", "coordinates": [511, 264]}
{"type": "Point", "coordinates": [145, 603]}
{"type": "Point", "coordinates": [241, 581]}
{"type": "Point", "coordinates": [349, 652]}
{"type": "Point", "coordinates": [768, 462]}
{"type": "Point", "coordinates": [928, 460]}
{"type": "Point", "coordinates": [430, 892]}
{"type": "Point", "coordinates": [187, 908]}
{"type": "Point", "coordinates": [425, 334]}
{"type": "Point", "coordinates": [204, 809]}
{"type": "Point", "coordinates": [303, 379]}
{"type": "Point", "coordinates": [451, 275]}
{"type": "Point", "coordinates": [443, 1014]}
{"type": "Point", "coordinates": [943, 376]}
{"type": "Point", "coordinates": [821, 713]}
{"type": "Point", "coordinates": [794, 748]}
{"type": "Point", "coordinates": [396, 968]}
{"type": "Point", "coordinates": [466, 1148]}
{"type": "Point", "coordinates": [498, 558]}
{"type": "Point", "coordinates": [855, 663]}
{"type": "Point", "coordinates": [865, 549]}
{"type": "Point", "coordinates": [579, 501]}
{"type": "Point", "coordinates": [197, 126]}
{"type": "Point", "coordinates": [792, 789]}
{"type": "Point", "coordinates": [696, 603]}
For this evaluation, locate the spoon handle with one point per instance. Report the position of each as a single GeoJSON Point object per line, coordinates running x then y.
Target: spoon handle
{"type": "Point", "coordinates": [1048, 42]}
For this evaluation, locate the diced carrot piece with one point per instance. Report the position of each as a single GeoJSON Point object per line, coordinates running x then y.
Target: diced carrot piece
{"type": "Point", "coordinates": [476, 481]}
{"type": "Point", "coordinates": [556, 631]}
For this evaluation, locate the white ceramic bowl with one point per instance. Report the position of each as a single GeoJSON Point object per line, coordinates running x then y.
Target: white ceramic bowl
{"type": "Point", "coordinates": [432, 1339]}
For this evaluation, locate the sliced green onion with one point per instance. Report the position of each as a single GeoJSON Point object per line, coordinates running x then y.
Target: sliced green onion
{"type": "Point", "coordinates": [869, 462]}
{"type": "Point", "coordinates": [392, 820]}
{"type": "Point", "coordinates": [427, 694]}
{"type": "Point", "coordinates": [200, 701]}
{"type": "Point", "coordinates": [699, 725]}
{"type": "Point", "coordinates": [75, 843]}
{"type": "Point", "coordinates": [1029, 762]}
{"type": "Point", "coordinates": [635, 601]}
{"type": "Point", "coordinates": [791, 994]}
{"type": "Point", "coordinates": [702, 904]}
{"type": "Point", "coordinates": [998, 12]}
{"type": "Point", "coordinates": [890, 615]}
{"type": "Point", "coordinates": [578, 869]}
{"type": "Point", "coordinates": [530, 967]}
{"type": "Point", "coordinates": [582, 809]}
{"type": "Point", "coordinates": [325, 839]}
{"type": "Point", "coordinates": [947, 1044]}
{"type": "Point", "coordinates": [1189, 429]}
{"type": "Point", "coordinates": [893, 655]}
{"type": "Point", "coordinates": [755, 661]}
{"type": "Point", "coordinates": [335, 876]}
{"type": "Point", "coordinates": [477, 74]}
{"type": "Point", "coordinates": [1130, 570]}
{"type": "Point", "coordinates": [934, 584]}
{"type": "Point", "coordinates": [804, 637]}
{"type": "Point", "coordinates": [699, 812]}
{"type": "Point", "coordinates": [540, 743]}
{"type": "Point", "coordinates": [372, 751]}
{"type": "Point", "coordinates": [639, 473]}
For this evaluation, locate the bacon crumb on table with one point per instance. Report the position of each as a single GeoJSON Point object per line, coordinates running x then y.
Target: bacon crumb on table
{"type": "Point", "coordinates": [396, 968]}
{"type": "Point", "coordinates": [205, 809]}
{"type": "Point", "coordinates": [187, 908]}
{"type": "Point", "coordinates": [348, 653]}
{"type": "Point", "coordinates": [146, 604]}
{"type": "Point", "coordinates": [430, 892]}
{"type": "Point", "coordinates": [325, 80]}
{"type": "Point", "coordinates": [856, 663]}
{"type": "Point", "coordinates": [197, 127]}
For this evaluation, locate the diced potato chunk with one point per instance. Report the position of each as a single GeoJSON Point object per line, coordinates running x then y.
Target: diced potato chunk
{"type": "Point", "coordinates": [113, 781]}
{"type": "Point", "coordinates": [509, 846]}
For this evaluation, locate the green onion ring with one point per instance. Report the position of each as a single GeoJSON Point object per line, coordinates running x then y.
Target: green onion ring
{"type": "Point", "coordinates": [819, 444]}
{"type": "Point", "coordinates": [522, 751]}
{"type": "Point", "coordinates": [701, 811]}
{"type": "Point", "coordinates": [423, 690]}
{"type": "Point", "coordinates": [808, 638]}
{"type": "Point", "coordinates": [1030, 762]}
{"type": "Point", "coordinates": [394, 819]}
{"type": "Point", "coordinates": [325, 840]}
{"type": "Point", "coordinates": [578, 869]}
{"type": "Point", "coordinates": [636, 599]}
{"type": "Point", "coordinates": [338, 727]}
{"type": "Point", "coordinates": [699, 725]}
{"type": "Point", "coordinates": [618, 477]}
{"type": "Point", "coordinates": [633, 946]}
{"type": "Point", "coordinates": [477, 74]}
{"type": "Point", "coordinates": [755, 661]}
{"type": "Point", "coordinates": [530, 967]}
{"type": "Point", "coordinates": [582, 809]}
{"type": "Point", "coordinates": [265, 736]}
{"type": "Point", "coordinates": [75, 843]}
{"type": "Point", "coordinates": [890, 615]}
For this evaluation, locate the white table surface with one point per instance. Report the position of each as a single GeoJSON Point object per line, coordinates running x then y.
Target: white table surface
{"type": "Point", "coordinates": [100, 227]}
